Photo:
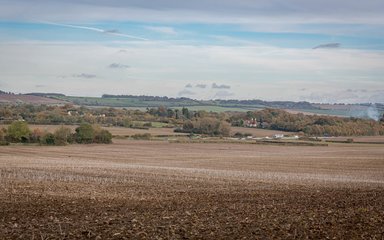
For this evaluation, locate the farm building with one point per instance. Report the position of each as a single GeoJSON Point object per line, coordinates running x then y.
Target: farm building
{"type": "Point", "coordinates": [250, 123]}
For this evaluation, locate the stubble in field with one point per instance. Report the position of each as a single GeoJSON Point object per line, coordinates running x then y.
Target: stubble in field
{"type": "Point", "coordinates": [159, 190]}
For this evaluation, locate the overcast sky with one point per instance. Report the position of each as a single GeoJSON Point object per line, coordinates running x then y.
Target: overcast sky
{"type": "Point", "coordinates": [318, 51]}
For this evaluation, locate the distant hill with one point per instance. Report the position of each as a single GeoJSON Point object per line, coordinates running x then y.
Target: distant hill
{"type": "Point", "coordinates": [46, 94]}
{"type": "Point", "coordinates": [269, 104]}
{"type": "Point", "coordinates": [222, 103]}
{"type": "Point", "coordinates": [218, 105]}
{"type": "Point", "coordinates": [11, 98]}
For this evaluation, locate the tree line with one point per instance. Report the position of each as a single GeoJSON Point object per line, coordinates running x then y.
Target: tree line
{"type": "Point", "coordinates": [312, 125]}
{"type": "Point", "coordinates": [186, 120]}
{"type": "Point", "coordinates": [19, 132]}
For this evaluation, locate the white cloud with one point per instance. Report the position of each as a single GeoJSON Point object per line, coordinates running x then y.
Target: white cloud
{"type": "Point", "coordinates": [220, 86]}
{"type": "Point", "coordinates": [202, 86]}
{"type": "Point", "coordinates": [84, 75]}
{"type": "Point", "coordinates": [223, 95]}
{"type": "Point", "coordinates": [186, 92]}
{"type": "Point", "coordinates": [162, 29]}
{"type": "Point", "coordinates": [118, 66]}
{"type": "Point", "coordinates": [252, 71]}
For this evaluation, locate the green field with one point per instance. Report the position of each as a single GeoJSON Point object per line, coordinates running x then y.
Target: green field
{"type": "Point", "coordinates": [222, 108]}
{"type": "Point", "coordinates": [142, 103]}
{"type": "Point", "coordinates": [126, 102]}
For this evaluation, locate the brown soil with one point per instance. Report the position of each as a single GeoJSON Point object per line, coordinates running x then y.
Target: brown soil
{"type": "Point", "coordinates": [160, 190]}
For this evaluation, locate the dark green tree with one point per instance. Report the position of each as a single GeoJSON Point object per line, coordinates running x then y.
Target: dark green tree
{"type": "Point", "coordinates": [48, 139]}
{"type": "Point", "coordinates": [85, 133]}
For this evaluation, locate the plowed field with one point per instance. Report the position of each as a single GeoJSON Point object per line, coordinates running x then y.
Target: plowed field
{"type": "Point", "coordinates": [160, 190]}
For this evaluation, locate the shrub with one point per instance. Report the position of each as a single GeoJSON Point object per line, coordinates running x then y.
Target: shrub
{"type": "Point", "coordinates": [85, 133]}
{"type": "Point", "coordinates": [48, 139]}
{"type": "Point", "coordinates": [147, 124]}
{"type": "Point", "coordinates": [18, 131]}
{"type": "Point", "coordinates": [238, 135]}
{"type": "Point", "coordinates": [224, 129]}
{"type": "Point", "coordinates": [103, 136]}
{"type": "Point", "coordinates": [207, 125]}
{"type": "Point", "coordinates": [63, 136]}
{"type": "Point", "coordinates": [2, 137]}
{"type": "Point", "coordinates": [144, 136]}
{"type": "Point", "coordinates": [36, 135]}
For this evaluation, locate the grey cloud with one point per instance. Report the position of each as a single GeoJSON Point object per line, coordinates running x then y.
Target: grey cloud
{"type": "Point", "coordinates": [118, 66]}
{"type": "Point", "coordinates": [186, 92]}
{"type": "Point", "coordinates": [331, 97]}
{"type": "Point", "coordinates": [377, 97]}
{"type": "Point", "coordinates": [201, 86]}
{"type": "Point", "coordinates": [223, 94]}
{"type": "Point", "coordinates": [265, 7]}
{"type": "Point", "coordinates": [357, 90]}
{"type": "Point", "coordinates": [224, 10]}
{"type": "Point", "coordinates": [346, 96]}
{"type": "Point", "coordinates": [188, 85]}
{"type": "Point", "coordinates": [222, 86]}
{"type": "Point", "coordinates": [39, 86]}
{"type": "Point", "coordinates": [84, 75]}
{"type": "Point", "coordinates": [328, 45]}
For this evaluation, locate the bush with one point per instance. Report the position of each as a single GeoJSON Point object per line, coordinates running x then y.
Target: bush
{"type": "Point", "coordinates": [224, 129]}
{"type": "Point", "coordinates": [207, 125]}
{"type": "Point", "coordinates": [85, 133]}
{"type": "Point", "coordinates": [2, 138]}
{"type": "Point", "coordinates": [103, 136]}
{"type": "Point", "coordinates": [2, 135]}
{"type": "Point", "coordinates": [36, 135]}
{"type": "Point", "coordinates": [63, 136]}
{"type": "Point", "coordinates": [144, 136]}
{"type": "Point", "coordinates": [48, 139]}
{"type": "Point", "coordinates": [18, 131]}
{"type": "Point", "coordinates": [242, 135]}
{"type": "Point", "coordinates": [147, 124]}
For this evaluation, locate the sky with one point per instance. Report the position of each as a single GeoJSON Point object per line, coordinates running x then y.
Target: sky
{"type": "Point", "coordinates": [328, 51]}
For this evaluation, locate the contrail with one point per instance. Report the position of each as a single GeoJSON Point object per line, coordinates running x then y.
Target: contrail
{"type": "Point", "coordinates": [110, 32]}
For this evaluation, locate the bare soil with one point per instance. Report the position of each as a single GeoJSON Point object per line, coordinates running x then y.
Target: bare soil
{"type": "Point", "coordinates": [160, 190]}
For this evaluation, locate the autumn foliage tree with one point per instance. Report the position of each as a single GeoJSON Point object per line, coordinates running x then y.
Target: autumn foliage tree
{"type": "Point", "coordinates": [313, 125]}
{"type": "Point", "coordinates": [208, 126]}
